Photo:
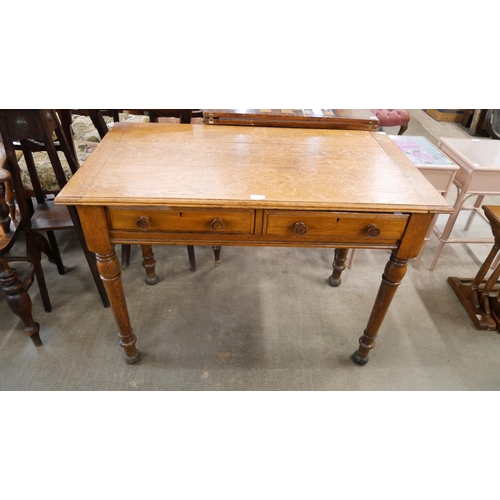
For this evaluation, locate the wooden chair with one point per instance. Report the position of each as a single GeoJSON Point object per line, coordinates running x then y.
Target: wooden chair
{"type": "Point", "coordinates": [33, 131]}
{"type": "Point", "coordinates": [16, 291]}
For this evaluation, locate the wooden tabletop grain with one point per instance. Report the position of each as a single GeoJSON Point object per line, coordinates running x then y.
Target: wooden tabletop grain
{"type": "Point", "coordinates": [202, 166]}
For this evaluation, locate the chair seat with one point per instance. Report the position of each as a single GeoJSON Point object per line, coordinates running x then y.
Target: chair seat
{"type": "Point", "coordinates": [45, 170]}
{"type": "Point", "coordinates": [391, 117]}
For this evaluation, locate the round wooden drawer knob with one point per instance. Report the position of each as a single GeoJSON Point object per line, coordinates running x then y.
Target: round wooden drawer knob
{"type": "Point", "coordinates": [143, 222]}
{"type": "Point", "coordinates": [372, 231]}
{"type": "Point", "coordinates": [217, 224]}
{"type": "Point", "coordinates": [300, 228]}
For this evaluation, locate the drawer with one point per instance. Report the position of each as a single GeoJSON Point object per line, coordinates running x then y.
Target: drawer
{"type": "Point", "coordinates": [179, 221]}
{"type": "Point", "coordinates": [335, 226]}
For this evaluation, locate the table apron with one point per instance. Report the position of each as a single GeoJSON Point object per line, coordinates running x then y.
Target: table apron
{"type": "Point", "coordinates": [134, 238]}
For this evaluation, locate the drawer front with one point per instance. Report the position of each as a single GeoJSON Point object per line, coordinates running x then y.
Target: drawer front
{"type": "Point", "coordinates": [335, 226]}
{"type": "Point", "coordinates": [181, 221]}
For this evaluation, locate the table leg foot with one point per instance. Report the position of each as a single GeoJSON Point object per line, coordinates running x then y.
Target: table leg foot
{"type": "Point", "coordinates": [151, 281]}
{"type": "Point", "coordinates": [35, 336]}
{"type": "Point", "coordinates": [333, 281]}
{"type": "Point", "coordinates": [356, 357]}
{"type": "Point", "coordinates": [130, 360]}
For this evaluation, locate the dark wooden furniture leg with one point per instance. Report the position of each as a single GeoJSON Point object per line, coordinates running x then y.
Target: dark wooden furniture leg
{"type": "Point", "coordinates": [394, 272]}
{"type": "Point", "coordinates": [125, 261]}
{"type": "Point", "coordinates": [403, 129]}
{"type": "Point", "coordinates": [149, 264]}
{"type": "Point", "coordinates": [391, 279]}
{"type": "Point", "coordinates": [98, 121]}
{"type": "Point", "coordinates": [216, 250]}
{"type": "Point", "coordinates": [32, 247]}
{"type": "Point", "coordinates": [5, 211]}
{"type": "Point", "coordinates": [18, 300]}
{"type": "Point", "coordinates": [192, 258]}
{"type": "Point", "coordinates": [338, 266]}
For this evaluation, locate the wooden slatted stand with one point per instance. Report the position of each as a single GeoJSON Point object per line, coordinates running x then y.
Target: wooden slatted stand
{"type": "Point", "coordinates": [480, 296]}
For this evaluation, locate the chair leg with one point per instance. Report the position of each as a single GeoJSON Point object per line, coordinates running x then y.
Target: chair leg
{"type": "Point", "coordinates": [55, 252]}
{"type": "Point", "coordinates": [216, 250]}
{"type": "Point", "coordinates": [192, 259]}
{"type": "Point", "coordinates": [40, 279]}
{"type": "Point", "coordinates": [403, 129]}
{"type": "Point", "coordinates": [34, 257]}
{"type": "Point", "coordinates": [19, 301]}
{"type": "Point", "coordinates": [125, 256]}
{"type": "Point", "coordinates": [51, 250]}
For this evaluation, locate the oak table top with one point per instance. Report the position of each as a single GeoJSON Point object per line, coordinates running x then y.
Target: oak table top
{"type": "Point", "coordinates": [205, 166]}
{"type": "Point", "coordinates": [196, 184]}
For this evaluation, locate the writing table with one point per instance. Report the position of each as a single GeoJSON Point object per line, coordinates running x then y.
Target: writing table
{"type": "Point", "coordinates": [180, 184]}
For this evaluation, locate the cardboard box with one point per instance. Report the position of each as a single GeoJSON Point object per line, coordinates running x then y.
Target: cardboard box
{"type": "Point", "coordinates": [446, 115]}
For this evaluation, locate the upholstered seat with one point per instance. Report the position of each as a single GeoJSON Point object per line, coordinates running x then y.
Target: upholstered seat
{"type": "Point", "coordinates": [393, 118]}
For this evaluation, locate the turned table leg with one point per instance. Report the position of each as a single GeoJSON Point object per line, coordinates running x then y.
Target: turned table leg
{"type": "Point", "coordinates": [391, 279]}
{"type": "Point", "coordinates": [149, 264]}
{"type": "Point", "coordinates": [338, 266]}
{"type": "Point", "coordinates": [109, 269]}
{"type": "Point", "coordinates": [19, 300]}
{"type": "Point", "coordinates": [96, 230]}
